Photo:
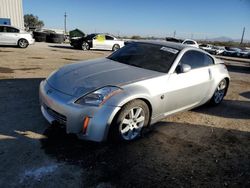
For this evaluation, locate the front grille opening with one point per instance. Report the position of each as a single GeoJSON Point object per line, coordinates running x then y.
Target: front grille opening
{"type": "Point", "coordinates": [57, 116]}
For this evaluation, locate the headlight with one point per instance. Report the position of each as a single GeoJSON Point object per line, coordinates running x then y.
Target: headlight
{"type": "Point", "coordinates": [99, 96]}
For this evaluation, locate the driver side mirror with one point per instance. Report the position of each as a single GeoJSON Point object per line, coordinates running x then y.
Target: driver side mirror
{"type": "Point", "coordinates": [183, 68]}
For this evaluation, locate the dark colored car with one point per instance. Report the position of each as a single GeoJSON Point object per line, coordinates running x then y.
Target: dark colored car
{"type": "Point", "coordinates": [231, 51]}
{"type": "Point", "coordinates": [244, 54]}
{"type": "Point", "coordinates": [77, 42]}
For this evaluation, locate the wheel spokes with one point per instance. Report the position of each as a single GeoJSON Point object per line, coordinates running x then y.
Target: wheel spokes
{"type": "Point", "coordinates": [125, 130]}
{"type": "Point", "coordinates": [132, 123]}
{"type": "Point", "coordinates": [131, 113]}
{"type": "Point", "coordinates": [138, 112]}
{"type": "Point", "coordinates": [126, 121]}
{"type": "Point", "coordinates": [140, 119]}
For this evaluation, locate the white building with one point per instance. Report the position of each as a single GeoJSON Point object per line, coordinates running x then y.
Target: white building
{"type": "Point", "coordinates": [11, 13]}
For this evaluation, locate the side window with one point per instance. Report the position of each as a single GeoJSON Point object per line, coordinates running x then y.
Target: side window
{"type": "Point", "coordinates": [100, 38]}
{"type": "Point", "coordinates": [208, 60]}
{"type": "Point", "coordinates": [109, 37]}
{"type": "Point", "coordinates": [1, 29]}
{"type": "Point", "coordinates": [12, 30]}
{"type": "Point", "coordinates": [196, 59]}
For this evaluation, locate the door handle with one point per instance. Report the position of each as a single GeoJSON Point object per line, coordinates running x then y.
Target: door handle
{"type": "Point", "coordinates": [210, 74]}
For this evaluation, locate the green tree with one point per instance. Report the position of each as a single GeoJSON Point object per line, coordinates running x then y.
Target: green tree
{"type": "Point", "coordinates": [31, 21]}
{"type": "Point", "coordinates": [136, 37]}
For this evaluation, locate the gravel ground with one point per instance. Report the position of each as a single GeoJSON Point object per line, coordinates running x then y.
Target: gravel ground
{"type": "Point", "coordinates": [204, 147]}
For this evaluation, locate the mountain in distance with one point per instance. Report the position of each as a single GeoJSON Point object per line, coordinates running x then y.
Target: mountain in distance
{"type": "Point", "coordinates": [226, 39]}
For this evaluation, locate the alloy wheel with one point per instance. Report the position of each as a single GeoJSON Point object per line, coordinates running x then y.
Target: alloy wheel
{"type": "Point", "coordinates": [133, 122]}
{"type": "Point", "coordinates": [23, 43]}
{"type": "Point", "coordinates": [85, 46]}
{"type": "Point", "coordinates": [220, 91]}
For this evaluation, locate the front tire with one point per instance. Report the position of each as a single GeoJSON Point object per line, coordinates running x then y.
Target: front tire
{"type": "Point", "coordinates": [85, 46]}
{"type": "Point", "coordinates": [220, 92]}
{"type": "Point", "coordinates": [23, 43]}
{"type": "Point", "coordinates": [131, 120]}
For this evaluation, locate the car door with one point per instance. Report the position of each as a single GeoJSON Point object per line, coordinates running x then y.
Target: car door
{"type": "Point", "coordinates": [99, 42]}
{"type": "Point", "coordinates": [109, 42]}
{"type": "Point", "coordinates": [188, 89]}
{"type": "Point", "coordinates": [11, 35]}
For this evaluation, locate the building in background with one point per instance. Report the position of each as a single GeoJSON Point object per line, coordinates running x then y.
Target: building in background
{"type": "Point", "coordinates": [11, 13]}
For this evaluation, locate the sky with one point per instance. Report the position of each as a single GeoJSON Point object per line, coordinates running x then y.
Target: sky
{"type": "Point", "coordinates": [198, 19]}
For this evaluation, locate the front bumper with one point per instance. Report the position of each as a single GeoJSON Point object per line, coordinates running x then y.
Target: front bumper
{"type": "Point", "coordinates": [31, 41]}
{"type": "Point", "coordinates": [56, 106]}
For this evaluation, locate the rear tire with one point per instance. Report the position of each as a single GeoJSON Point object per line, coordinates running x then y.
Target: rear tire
{"type": "Point", "coordinates": [128, 125]}
{"type": "Point", "coordinates": [23, 43]}
{"type": "Point", "coordinates": [219, 93]}
{"type": "Point", "coordinates": [116, 47]}
{"type": "Point", "coordinates": [85, 46]}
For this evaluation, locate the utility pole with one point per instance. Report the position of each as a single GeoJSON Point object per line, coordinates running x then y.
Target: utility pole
{"type": "Point", "coordinates": [242, 37]}
{"type": "Point", "coordinates": [174, 33]}
{"type": "Point", "coordinates": [65, 22]}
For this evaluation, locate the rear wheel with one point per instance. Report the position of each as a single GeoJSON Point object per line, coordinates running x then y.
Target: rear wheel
{"type": "Point", "coordinates": [23, 43]}
{"type": "Point", "coordinates": [133, 117]}
{"type": "Point", "coordinates": [220, 92]}
{"type": "Point", "coordinates": [116, 47]}
{"type": "Point", "coordinates": [85, 46]}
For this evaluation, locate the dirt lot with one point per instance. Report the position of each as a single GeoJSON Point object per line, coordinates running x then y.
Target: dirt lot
{"type": "Point", "coordinates": [205, 147]}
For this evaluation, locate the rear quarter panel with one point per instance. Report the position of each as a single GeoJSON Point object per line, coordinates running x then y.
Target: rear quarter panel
{"type": "Point", "coordinates": [219, 72]}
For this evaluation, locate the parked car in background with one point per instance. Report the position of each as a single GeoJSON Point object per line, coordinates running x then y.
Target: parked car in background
{"type": "Point", "coordinates": [219, 50]}
{"type": "Point", "coordinates": [214, 50]}
{"type": "Point", "coordinates": [208, 48]}
{"type": "Point", "coordinates": [232, 51]}
{"type": "Point", "coordinates": [190, 42]}
{"type": "Point", "coordinates": [97, 41]}
{"type": "Point", "coordinates": [10, 35]}
{"type": "Point", "coordinates": [131, 89]}
{"type": "Point", "coordinates": [244, 53]}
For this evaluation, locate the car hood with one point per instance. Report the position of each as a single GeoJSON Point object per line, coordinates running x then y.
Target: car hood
{"type": "Point", "coordinates": [81, 78]}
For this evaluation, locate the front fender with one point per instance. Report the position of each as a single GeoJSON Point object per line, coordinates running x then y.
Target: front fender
{"type": "Point", "coordinates": [153, 99]}
{"type": "Point", "coordinates": [129, 94]}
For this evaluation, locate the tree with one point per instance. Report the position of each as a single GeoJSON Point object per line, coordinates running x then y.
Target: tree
{"type": "Point", "coordinates": [31, 21]}
{"type": "Point", "coordinates": [136, 37]}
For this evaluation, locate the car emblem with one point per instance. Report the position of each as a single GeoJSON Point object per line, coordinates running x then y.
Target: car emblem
{"type": "Point", "coordinates": [49, 91]}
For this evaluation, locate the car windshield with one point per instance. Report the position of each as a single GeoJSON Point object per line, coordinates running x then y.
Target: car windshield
{"type": "Point", "coordinates": [148, 56]}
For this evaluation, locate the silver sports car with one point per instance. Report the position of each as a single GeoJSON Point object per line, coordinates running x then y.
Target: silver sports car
{"type": "Point", "coordinates": [131, 89]}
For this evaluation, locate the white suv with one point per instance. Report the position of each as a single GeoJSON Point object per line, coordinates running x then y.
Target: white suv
{"type": "Point", "coordinates": [10, 35]}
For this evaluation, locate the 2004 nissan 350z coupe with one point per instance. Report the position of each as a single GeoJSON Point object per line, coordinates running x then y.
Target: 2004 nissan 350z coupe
{"type": "Point", "coordinates": [131, 89]}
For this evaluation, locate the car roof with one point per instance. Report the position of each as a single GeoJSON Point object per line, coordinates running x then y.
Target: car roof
{"type": "Point", "coordinates": [174, 45]}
